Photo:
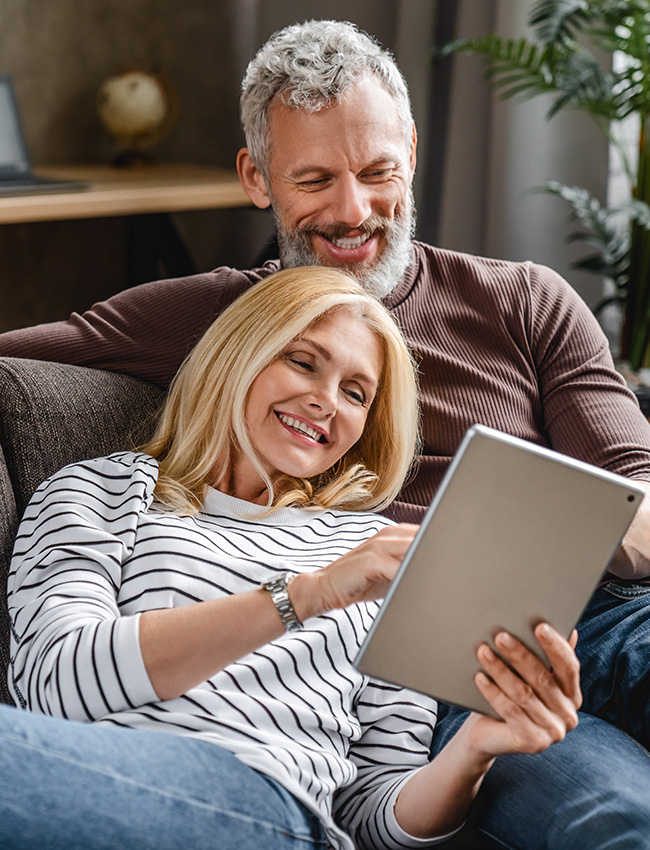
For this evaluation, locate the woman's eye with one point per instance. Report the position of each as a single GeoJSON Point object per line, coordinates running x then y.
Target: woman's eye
{"type": "Point", "coordinates": [356, 396]}
{"type": "Point", "coordinates": [301, 364]}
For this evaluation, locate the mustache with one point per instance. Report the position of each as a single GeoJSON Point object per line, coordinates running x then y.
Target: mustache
{"type": "Point", "coordinates": [374, 224]}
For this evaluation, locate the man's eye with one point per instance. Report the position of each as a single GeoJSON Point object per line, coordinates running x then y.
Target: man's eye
{"type": "Point", "coordinates": [379, 173]}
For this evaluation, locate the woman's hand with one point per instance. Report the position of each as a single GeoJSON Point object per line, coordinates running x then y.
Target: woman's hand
{"type": "Point", "coordinates": [182, 647]}
{"type": "Point", "coordinates": [538, 706]}
{"type": "Point", "coordinates": [360, 575]}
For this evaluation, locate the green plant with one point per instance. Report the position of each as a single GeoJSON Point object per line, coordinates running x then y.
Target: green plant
{"type": "Point", "coordinates": [560, 61]}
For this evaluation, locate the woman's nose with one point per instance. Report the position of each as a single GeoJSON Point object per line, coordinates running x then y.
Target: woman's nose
{"type": "Point", "coordinates": [325, 398]}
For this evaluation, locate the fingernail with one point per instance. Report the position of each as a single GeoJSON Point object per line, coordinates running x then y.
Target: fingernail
{"type": "Point", "coordinates": [486, 652]}
{"type": "Point", "coordinates": [505, 639]}
{"type": "Point", "coordinates": [544, 630]}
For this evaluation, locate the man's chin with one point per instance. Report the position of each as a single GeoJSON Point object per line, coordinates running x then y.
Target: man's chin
{"type": "Point", "coordinates": [380, 269]}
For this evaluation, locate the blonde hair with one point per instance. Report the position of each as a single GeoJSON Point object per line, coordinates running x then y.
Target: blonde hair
{"type": "Point", "coordinates": [203, 424]}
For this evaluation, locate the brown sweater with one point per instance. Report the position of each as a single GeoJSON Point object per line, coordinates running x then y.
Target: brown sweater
{"type": "Point", "coordinates": [510, 345]}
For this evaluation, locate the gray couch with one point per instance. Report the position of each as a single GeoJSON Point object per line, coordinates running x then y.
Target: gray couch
{"type": "Point", "coordinates": [52, 414]}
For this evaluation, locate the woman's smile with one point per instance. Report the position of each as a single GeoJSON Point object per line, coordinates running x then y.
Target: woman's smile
{"type": "Point", "coordinates": [302, 428]}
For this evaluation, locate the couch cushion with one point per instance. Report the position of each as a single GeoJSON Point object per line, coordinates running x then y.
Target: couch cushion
{"type": "Point", "coordinates": [52, 414]}
{"type": "Point", "coordinates": [8, 526]}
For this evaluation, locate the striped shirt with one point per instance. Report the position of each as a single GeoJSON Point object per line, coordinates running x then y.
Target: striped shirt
{"type": "Point", "coordinates": [95, 550]}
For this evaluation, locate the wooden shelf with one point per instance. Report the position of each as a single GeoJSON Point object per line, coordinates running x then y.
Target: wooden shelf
{"type": "Point", "coordinates": [169, 187]}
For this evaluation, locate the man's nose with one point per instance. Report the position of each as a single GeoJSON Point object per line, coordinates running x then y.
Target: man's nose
{"type": "Point", "coordinates": [352, 204]}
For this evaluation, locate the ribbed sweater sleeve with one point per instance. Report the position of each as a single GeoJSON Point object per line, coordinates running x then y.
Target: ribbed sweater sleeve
{"type": "Point", "coordinates": [511, 346]}
{"type": "Point", "coordinates": [145, 331]}
{"type": "Point", "coordinates": [75, 655]}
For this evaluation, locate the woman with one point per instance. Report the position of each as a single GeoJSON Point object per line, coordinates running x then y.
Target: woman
{"type": "Point", "coordinates": [216, 586]}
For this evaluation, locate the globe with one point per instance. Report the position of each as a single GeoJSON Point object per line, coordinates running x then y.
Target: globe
{"type": "Point", "coordinates": [138, 109]}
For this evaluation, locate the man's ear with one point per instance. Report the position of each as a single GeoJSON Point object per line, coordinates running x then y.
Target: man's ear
{"type": "Point", "coordinates": [252, 181]}
{"type": "Point", "coordinates": [414, 148]}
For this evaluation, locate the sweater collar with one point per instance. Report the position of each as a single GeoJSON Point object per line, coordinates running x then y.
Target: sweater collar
{"type": "Point", "coordinates": [218, 503]}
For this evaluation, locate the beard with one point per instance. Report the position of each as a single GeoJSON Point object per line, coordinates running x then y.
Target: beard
{"type": "Point", "coordinates": [379, 279]}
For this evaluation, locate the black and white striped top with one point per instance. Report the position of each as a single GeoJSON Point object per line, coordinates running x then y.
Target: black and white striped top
{"type": "Point", "coordinates": [94, 551]}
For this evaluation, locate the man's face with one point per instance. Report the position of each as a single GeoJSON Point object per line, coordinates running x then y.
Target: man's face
{"type": "Point", "coordinates": [340, 185]}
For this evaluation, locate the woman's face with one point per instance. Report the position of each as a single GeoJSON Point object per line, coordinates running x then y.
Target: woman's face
{"type": "Point", "coordinates": [309, 407]}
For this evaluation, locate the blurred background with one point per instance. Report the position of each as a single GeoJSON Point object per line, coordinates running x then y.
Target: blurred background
{"type": "Point", "coordinates": [479, 157]}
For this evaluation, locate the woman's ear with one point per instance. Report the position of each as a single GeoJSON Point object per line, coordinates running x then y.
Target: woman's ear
{"type": "Point", "coordinates": [252, 181]}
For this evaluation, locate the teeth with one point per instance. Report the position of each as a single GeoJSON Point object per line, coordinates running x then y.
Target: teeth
{"type": "Point", "coordinates": [351, 241]}
{"type": "Point", "coordinates": [301, 427]}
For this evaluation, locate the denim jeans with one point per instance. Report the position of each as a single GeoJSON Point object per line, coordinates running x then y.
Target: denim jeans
{"type": "Point", "coordinates": [592, 790]}
{"type": "Point", "coordinates": [77, 786]}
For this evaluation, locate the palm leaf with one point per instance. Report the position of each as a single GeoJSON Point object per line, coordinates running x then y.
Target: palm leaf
{"type": "Point", "coordinates": [557, 21]}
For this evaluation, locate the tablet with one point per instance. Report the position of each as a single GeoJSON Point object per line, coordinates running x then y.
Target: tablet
{"type": "Point", "coordinates": [516, 534]}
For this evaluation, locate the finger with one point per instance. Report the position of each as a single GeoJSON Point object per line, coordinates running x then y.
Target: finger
{"type": "Point", "coordinates": [393, 541]}
{"type": "Point", "coordinates": [563, 660]}
{"type": "Point", "coordinates": [512, 685]}
{"type": "Point", "coordinates": [525, 735]}
{"type": "Point", "coordinates": [529, 684]}
{"type": "Point", "coordinates": [533, 723]}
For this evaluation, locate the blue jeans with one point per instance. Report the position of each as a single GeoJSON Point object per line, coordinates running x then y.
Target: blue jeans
{"type": "Point", "coordinates": [76, 786]}
{"type": "Point", "coordinates": [592, 790]}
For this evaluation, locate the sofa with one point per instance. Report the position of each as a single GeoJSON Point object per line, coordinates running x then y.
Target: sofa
{"type": "Point", "coordinates": [52, 414]}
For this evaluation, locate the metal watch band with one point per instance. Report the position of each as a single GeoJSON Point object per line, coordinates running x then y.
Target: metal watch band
{"type": "Point", "coordinates": [277, 587]}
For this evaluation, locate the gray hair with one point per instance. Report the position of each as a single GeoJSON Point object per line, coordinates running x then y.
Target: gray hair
{"type": "Point", "coordinates": [310, 66]}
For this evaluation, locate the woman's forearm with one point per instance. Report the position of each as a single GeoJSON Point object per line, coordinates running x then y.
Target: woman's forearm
{"type": "Point", "coordinates": [437, 799]}
{"type": "Point", "coordinates": [182, 647]}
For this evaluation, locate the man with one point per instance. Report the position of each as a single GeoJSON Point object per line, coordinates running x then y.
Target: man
{"type": "Point", "coordinates": [331, 147]}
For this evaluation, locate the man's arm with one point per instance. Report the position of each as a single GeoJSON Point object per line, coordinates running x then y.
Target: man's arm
{"type": "Point", "coordinates": [588, 411]}
{"type": "Point", "coordinates": [145, 331]}
{"type": "Point", "coordinates": [633, 558]}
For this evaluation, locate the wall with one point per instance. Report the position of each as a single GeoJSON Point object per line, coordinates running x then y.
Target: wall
{"type": "Point", "coordinates": [499, 151]}
{"type": "Point", "coordinates": [58, 54]}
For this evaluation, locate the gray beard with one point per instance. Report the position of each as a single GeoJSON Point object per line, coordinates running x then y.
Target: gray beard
{"type": "Point", "coordinates": [378, 280]}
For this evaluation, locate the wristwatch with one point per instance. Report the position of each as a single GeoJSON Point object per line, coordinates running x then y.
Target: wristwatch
{"type": "Point", "coordinates": [277, 587]}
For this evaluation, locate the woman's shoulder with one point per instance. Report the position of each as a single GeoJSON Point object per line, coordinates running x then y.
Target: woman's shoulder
{"type": "Point", "coordinates": [359, 521]}
{"type": "Point", "coordinates": [117, 464]}
{"type": "Point", "coordinates": [114, 474]}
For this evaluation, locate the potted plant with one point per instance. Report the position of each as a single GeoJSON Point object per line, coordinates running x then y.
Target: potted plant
{"type": "Point", "coordinates": [560, 60]}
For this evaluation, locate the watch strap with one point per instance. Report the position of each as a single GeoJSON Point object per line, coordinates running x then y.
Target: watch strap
{"type": "Point", "coordinates": [277, 587]}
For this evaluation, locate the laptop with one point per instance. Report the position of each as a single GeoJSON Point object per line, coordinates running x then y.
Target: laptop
{"type": "Point", "coordinates": [516, 534]}
{"type": "Point", "coordinates": [16, 177]}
